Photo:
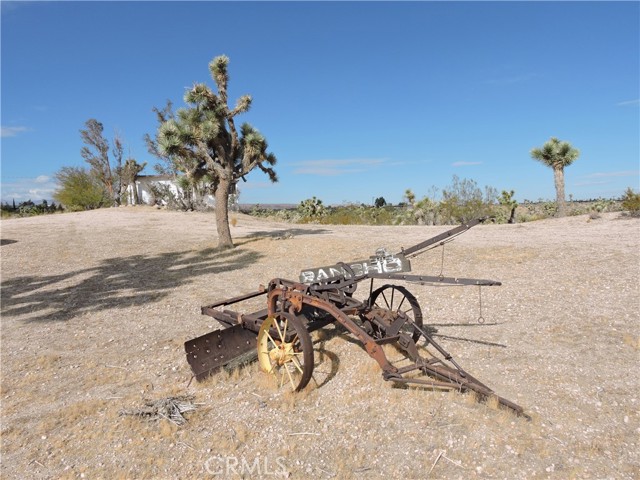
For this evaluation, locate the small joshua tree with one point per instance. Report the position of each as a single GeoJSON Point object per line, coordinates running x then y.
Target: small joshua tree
{"type": "Point", "coordinates": [506, 199]}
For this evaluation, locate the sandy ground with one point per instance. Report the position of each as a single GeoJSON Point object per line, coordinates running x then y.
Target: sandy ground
{"type": "Point", "coordinates": [96, 307]}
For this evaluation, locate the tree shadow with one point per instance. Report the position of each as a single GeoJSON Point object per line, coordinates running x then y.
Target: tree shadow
{"type": "Point", "coordinates": [286, 233]}
{"type": "Point", "coordinates": [7, 241]}
{"type": "Point", "coordinates": [115, 283]}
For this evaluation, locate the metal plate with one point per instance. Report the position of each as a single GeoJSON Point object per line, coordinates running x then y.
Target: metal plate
{"type": "Point", "coordinates": [382, 264]}
{"type": "Point", "coordinates": [210, 352]}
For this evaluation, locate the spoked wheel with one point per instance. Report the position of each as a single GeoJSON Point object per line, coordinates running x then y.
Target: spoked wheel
{"type": "Point", "coordinates": [285, 350]}
{"type": "Point", "coordinates": [389, 303]}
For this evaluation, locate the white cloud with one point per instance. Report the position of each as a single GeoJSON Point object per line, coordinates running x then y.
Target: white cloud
{"type": "Point", "coordinates": [626, 173]}
{"type": "Point", "coordinates": [23, 189]}
{"type": "Point", "coordinates": [254, 185]}
{"type": "Point", "coordinates": [628, 103]}
{"type": "Point", "coordinates": [589, 183]}
{"type": "Point", "coordinates": [12, 131]}
{"type": "Point", "coordinates": [334, 167]}
{"type": "Point", "coordinates": [465, 164]}
{"type": "Point", "coordinates": [603, 178]}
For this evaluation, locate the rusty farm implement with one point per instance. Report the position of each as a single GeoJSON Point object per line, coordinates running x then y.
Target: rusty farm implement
{"type": "Point", "coordinates": [389, 315]}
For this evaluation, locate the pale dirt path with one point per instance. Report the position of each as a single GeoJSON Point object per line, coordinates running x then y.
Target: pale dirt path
{"type": "Point", "coordinates": [96, 307]}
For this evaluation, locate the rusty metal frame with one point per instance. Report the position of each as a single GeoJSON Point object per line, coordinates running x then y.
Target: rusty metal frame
{"type": "Point", "coordinates": [294, 294]}
{"type": "Point", "coordinates": [331, 300]}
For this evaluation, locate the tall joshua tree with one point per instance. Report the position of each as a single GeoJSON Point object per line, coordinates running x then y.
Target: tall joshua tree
{"type": "Point", "coordinates": [202, 142]}
{"type": "Point", "coordinates": [557, 155]}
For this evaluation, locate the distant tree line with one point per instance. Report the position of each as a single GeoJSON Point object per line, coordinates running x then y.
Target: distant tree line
{"type": "Point", "coordinates": [459, 202]}
{"type": "Point", "coordinates": [29, 208]}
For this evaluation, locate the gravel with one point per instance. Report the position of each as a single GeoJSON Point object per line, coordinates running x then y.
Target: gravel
{"type": "Point", "coordinates": [96, 307]}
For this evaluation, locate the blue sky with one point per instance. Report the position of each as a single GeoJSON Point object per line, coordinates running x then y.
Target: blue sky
{"type": "Point", "coordinates": [357, 100]}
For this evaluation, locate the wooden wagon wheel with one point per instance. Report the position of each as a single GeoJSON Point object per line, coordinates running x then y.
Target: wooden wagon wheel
{"type": "Point", "coordinates": [390, 302]}
{"type": "Point", "coordinates": [285, 350]}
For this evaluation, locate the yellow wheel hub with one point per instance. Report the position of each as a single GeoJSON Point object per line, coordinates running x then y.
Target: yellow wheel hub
{"type": "Point", "coordinates": [278, 357]}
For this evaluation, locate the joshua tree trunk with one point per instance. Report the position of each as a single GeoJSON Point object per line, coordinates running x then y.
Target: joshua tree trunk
{"type": "Point", "coordinates": [222, 213]}
{"type": "Point", "coordinates": [558, 176]}
{"type": "Point", "coordinates": [136, 199]}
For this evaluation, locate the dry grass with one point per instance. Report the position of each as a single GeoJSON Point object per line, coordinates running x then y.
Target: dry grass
{"type": "Point", "coordinates": [96, 307]}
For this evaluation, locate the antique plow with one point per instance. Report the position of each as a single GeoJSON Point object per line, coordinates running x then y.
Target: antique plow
{"type": "Point", "coordinates": [389, 315]}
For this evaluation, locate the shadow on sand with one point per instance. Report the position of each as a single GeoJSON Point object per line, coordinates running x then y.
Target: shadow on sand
{"type": "Point", "coordinates": [115, 283]}
{"type": "Point", "coordinates": [286, 233]}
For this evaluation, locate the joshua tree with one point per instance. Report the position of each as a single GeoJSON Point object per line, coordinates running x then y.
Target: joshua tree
{"type": "Point", "coordinates": [411, 197]}
{"type": "Point", "coordinates": [557, 155]}
{"type": "Point", "coordinates": [506, 199]}
{"type": "Point", "coordinates": [202, 143]}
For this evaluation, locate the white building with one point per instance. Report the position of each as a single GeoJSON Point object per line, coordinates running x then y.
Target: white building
{"type": "Point", "coordinates": [140, 192]}
{"type": "Point", "coordinates": [143, 192]}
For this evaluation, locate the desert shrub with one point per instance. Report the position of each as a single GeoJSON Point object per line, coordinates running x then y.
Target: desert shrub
{"type": "Point", "coordinates": [549, 209]}
{"type": "Point", "coordinates": [405, 214]}
{"type": "Point", "coordinates": [257, 211]}
{"type": "Point", "coordinates": [425, 211]}
{"type": "Point", "coordinates": [380, 216]}
{"type": "Point", "coordinates": [163, 195]}
{"type": "Point", "coordinates": [28, 209]}
{"type": "Point", "coordinates": [631, 202]}
{"type": "Point", "coordinates": [311, 209]}
{"type": "Point", "coordinates": [184, 198]}
{"type": "Point", "coordinates": [574, 212]}
{"type": "Point", "coordinates": [354, 214]}
{"type": "Point", "coordinates": [464, 201]}
{"type": "Point", "coordinates": [602, 205]}
{"type": "Point", "coordinates": [412, 212]}
{"type": "Point", "coordinates": [342, 216]}
{"type": "Point", "coordinates": [79, 190]}
{"type": "Point", "coordinates": [525, 217]}
{"type": "Point", "coordinates": [286, 215]}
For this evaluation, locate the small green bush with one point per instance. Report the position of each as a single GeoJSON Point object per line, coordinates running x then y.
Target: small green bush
{"type": "Point", "coordinates": [79, 190]}
{"type": "Point", "coordinates": [549, 209]}
{"type": "Point", "coordinates": [631, 202]}
{"type": "Point", "coordinates": [602, 205]}
{"type": "Point", "coordinates": [464, 200]}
